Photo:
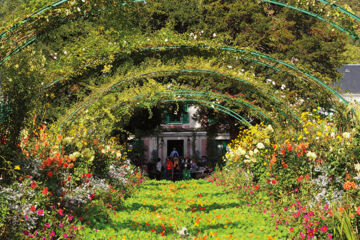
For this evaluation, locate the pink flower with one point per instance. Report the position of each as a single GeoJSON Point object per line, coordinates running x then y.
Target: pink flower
{"type": "Point", "coordinates": [52, 234]}
{"type": "Point", "coordinates": [26, 217]}
{"type": "Point", "coordinates": [47, 225]}
{"type": "Point", "coordinates": [61, 225]}
{"type": "Point", "coordinates": [324, 229]}
{"type": "Point", "coordinates": [329, 236]}
{"type": "Point", "coordinates": [291, 229]}
{"type": "Point", "coordinates": [65, 235]}
{"type": "Point", "coordinates": [40, 212]}
{"type": "Point", "coordinates": [60, 211]}
{"type": "Point", "coordinates": [70, 218]}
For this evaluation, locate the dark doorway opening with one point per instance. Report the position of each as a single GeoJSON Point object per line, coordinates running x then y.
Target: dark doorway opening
{"type": "Point", "coordinates": [178, 144]}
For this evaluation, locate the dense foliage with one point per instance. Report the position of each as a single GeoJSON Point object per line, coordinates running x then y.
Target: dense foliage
{"type": "Point", "coordinates": [77, 78]}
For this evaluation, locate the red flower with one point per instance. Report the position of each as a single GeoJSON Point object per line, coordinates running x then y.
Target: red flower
{"type": "Point", "coordinates": [274, 181]}
{"type": "Point", "coordinates": [33, 208]}
{"type": "Point", "coordinates": [257, 186]}
{"type": "Point", "coordinates": [50, 174]}
{"type": "Point", "coordinates": [307, 176]}
{"type": "Point", "coordinates": [358, 210]}
{"type": "Point", "coordinates": [300, 178]}
{"type": "Point", "coordinates": [33, 185]}
{"type": "Point", "coordinates": [283, 152]}
{"type": "Point", "coordinates": [289, 147]}
{"type": "Point", "coordinates": [45, 190]}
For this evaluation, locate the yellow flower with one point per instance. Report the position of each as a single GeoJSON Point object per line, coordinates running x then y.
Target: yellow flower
{"type": "Point", "coordinates": [17, 167]}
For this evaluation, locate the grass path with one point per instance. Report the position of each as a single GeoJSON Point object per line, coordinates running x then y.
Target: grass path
{"type": "Point", "coordinates": [161, 209]}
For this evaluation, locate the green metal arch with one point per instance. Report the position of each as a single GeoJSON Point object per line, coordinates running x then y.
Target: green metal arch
{"type": "Point", "coordinates": [211, 104]}
{"type": "Point", "coordinates": [42, 10]}
{"type": "Point", "coordinates": [317, 80]}
{"type": "Point", "coordinates": [343, 10]}
{"type": "Point", "coordinates": [354, 36]}
{"type": "Point", "coordinates": [238, 102]}
{"type": "Point", "coordinates": [244, 51]}
{"type": "Point", "coordinates": [25, 20]}
{"type": "Point", "coordinates": [112, 87]}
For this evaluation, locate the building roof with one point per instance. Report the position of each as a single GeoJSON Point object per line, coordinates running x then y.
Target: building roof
{"type": "Point", "coordinates": [351, 80]}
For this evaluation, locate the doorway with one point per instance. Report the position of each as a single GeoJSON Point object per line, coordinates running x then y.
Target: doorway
{"type": "Point", "coordinates": [178, 144]}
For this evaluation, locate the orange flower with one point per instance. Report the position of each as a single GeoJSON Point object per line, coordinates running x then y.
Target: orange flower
{"type": "Point", "coordinates": [341, 210]}
{"type": "Point", "coordinates": [273, 160]}
{"type": "Point", "coordinates": [349, 185]}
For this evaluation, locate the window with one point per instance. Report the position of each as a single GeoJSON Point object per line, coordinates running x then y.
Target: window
{"type": "Point", "coordinates": [180, 116]}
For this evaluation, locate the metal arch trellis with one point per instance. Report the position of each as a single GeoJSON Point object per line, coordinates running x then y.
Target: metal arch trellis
{"type": "Point", "coordinates": [317, 80]}
{"type": "Point", "coordinates": [211, 104]}
{"type": "Point", "coordinates": [352, 35]}
{"type": "Point", "coordinates": [343, 10]}
{"type": "Point", "coordinates": [268, 1]}
{"type": "Point", "coordinates": [244, 51]}
{"type": "Point", "coordinates": [226, 98]}
{"type": "Point", "coordinates": [33, 38]}
{"type": "Point", "coordinates": [42, 10]}
{"type": "Point", "coordinates": [115, 85]}
{"type": "Point", "coordinates": [108, 90]}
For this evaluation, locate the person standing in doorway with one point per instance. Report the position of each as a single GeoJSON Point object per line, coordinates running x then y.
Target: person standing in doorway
{"type": "Point", "coordinates": [169, 168]}
{"type": "Point", "coordinates": [174, 153]}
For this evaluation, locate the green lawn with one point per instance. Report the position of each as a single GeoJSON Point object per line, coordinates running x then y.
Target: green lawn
{"type": "Point", "coordinates": [161, 209]}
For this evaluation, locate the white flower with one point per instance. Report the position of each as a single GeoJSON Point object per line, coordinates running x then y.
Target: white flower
{"type": "Point", "coordinates": [78, 9]}
{"type": "Point", "coordinates": [118, 155]}
{"type": "Point", "coordinates": [183, 231]}
{"type": "Point", "coordinates": [251, 153]}
{"type": "Point", "coordinates": [229, 66]}
{"type": "Point", "coordinates": [247, 161]}
{"type": "Point", "coordinates": [83, 1]}
{"type": "Point", "coordinates": [269, 129]}
{"type": "Point", "coordinates": [357, 167]}
{"type": "Point", "coordinates": [267, 141]}
{"type": "Point", "coordinates": [346, 135]}
{"type": "Point", "coordinates": [253, 160]}
{"type": "Point", "coordinates": [260, 145]}
{"type": "Point", "coordinates": [283, 87]}
{"type": "Point", "coordinates": [195, 37]}
{"type": "Point", "coordinates": [214, 34]}
{"type": "Point", "coordinates": [148, 39]}
{"type": "Point", "coordinates": [166, 40]}
{"type": "Point", "coordinates": [311, 155]}
{"type": "Point", "coordinates": [240, 151]}
{"type": "Point", "coordinates": [256, 151]}
{"type": "Point", "coordinates": [65, 52]}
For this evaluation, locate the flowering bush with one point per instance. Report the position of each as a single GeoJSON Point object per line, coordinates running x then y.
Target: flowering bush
{"type": "Point", "coordinates": [317, 165]}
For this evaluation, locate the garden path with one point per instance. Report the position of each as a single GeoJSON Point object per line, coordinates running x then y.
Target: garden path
{"type": "Point", "coordinates": [195, 209]}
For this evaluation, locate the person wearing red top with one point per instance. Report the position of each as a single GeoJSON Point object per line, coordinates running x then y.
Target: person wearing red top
{"type": "Point", "coordinates": [169, 168]}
